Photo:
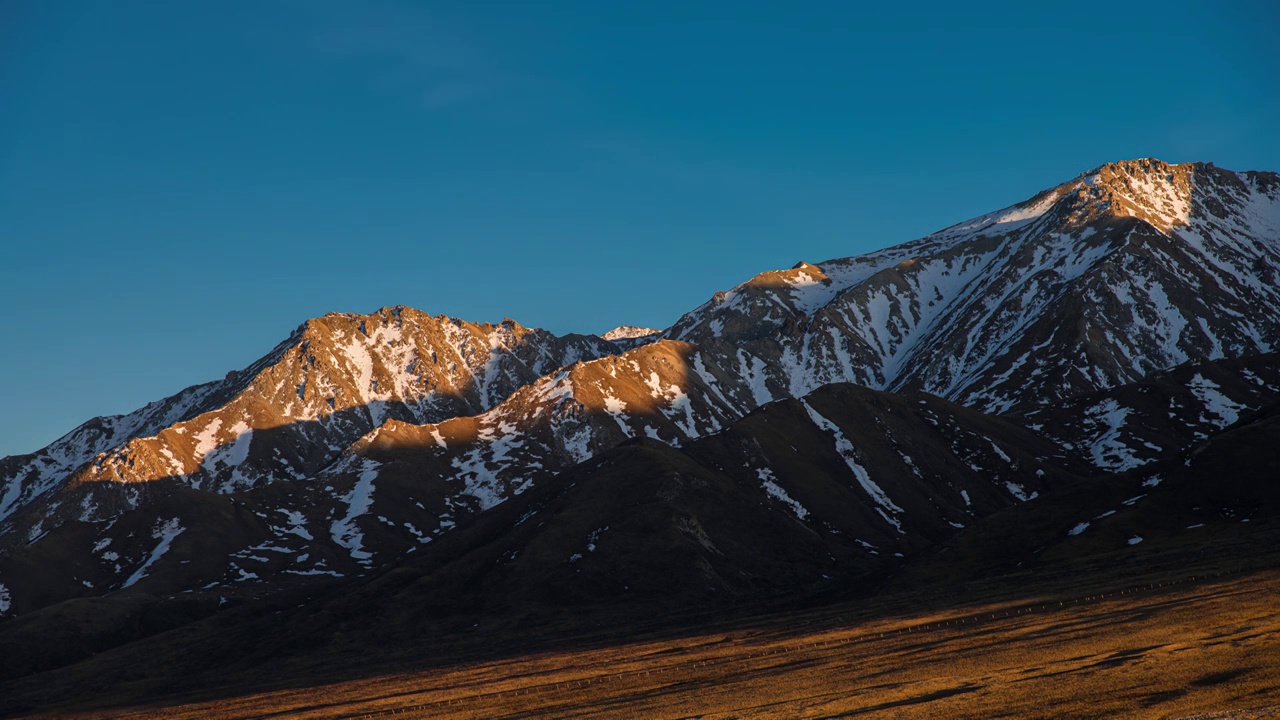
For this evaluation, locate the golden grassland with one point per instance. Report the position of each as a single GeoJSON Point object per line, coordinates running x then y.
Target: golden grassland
{"type": "Point", "coordinates": [1157, 650]}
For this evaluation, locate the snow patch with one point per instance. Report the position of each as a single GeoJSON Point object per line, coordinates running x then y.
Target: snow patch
{"type": "Point", "coordinates": [1210, 395]}
{"type": "Point", "coordinates": [1019, 492]}
{"type": "Point", "coordinates": [629, 332]}
{"type": "Point", "coordinates": [849, 453]}
{"type": "Point", "coordinates": [616, 409]}
{"type": "Point", "coordinates": [345, 532]}
{"type": "Point", "coordinates": [230, 455]}
{"type": "Point", "coordinates": [1021, 215]}
{"type": "Point", "coordinates": [775, 491]}
{"type": "Point", "coordinates": [808, 292]}
{"type": "Point", "coordinates": [481, 474]}
{"type": "Point", "coordinates": [595, 535]}
{"type": "Point", "coordinates": [1109, 451]}
{"type": "Point", "coordinates": [753, 371]}
{"type": "Point", "coordinates": [297, 524]}
{"type": "Point", "coordinates": [207, 439]}
{"type": "Point", "coordinates": [165, 532]}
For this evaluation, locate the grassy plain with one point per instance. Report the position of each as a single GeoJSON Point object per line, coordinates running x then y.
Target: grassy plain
{"type": "Point", "coordinates": [1163, 648]}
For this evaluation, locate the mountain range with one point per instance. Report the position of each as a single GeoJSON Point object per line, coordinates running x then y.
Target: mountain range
{"type": "Point", "coordinates": [809, 428]}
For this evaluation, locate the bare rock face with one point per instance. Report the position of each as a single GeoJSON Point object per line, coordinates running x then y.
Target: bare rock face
{"type": "Point", "coordinates": [363, 438]}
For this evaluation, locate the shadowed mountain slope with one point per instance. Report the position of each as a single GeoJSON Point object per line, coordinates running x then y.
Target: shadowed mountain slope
{"type": "Point", "coordinates": [780, 503]}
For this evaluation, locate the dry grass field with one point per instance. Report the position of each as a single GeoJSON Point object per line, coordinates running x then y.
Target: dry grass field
{"type": "Point", "coordinates": [1159, 650]}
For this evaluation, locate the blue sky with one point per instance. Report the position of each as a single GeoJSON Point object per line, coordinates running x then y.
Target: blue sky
{"type": "Point", "coordinates": [182, 183]}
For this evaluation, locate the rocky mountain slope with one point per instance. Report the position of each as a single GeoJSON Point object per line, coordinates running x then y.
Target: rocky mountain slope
{"type": "Point", "coordinates": [334, 379]}
{"type": "Point", "coordinates": [1132, 425]}
{"type": "Point", "coordinates": [1129, 269]}
{"type": "Point", "coordinates": [365, 438]}
{"type": "Point", "coordinates": [763, 340]}
{"type": "Point", "coordinates": [781, 501]}
{"type": "Point", "coordinates": [643, 532]}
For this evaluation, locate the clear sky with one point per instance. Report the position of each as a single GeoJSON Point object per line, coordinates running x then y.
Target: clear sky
{"type": "Point", "coordinates": [182, 183]}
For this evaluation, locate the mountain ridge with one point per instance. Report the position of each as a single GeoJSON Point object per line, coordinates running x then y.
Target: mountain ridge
{"type": "Point", "coordinates": [362, 437]}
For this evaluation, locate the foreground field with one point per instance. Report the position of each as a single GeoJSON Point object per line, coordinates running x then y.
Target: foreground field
{"type": "Point", "coordinates": [1162, 649]}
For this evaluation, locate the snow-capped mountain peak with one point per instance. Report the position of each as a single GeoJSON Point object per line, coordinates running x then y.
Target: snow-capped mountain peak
{"type": "Point", "coordinates": [629, 332]}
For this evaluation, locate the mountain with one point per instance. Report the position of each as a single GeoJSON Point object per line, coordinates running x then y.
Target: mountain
{"type": "Point", "coordinates": [1024, 299]}
{"type": "Point", "coordinates": [1129, 269]}
{"type": "Point", "coordinates": [643, 533]}
{"type": "Point", "coordinates": [284, 418]}
{"type": "Point", "coordinates": [779, 502]}
{"type": "Point", "coordinates": [815, 421]}
{"type": "Point", "coordinates": [629, 336]}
